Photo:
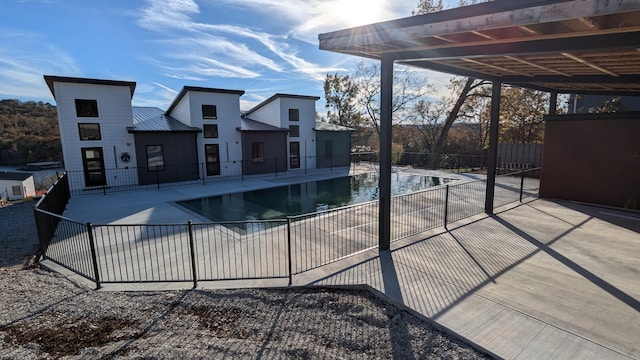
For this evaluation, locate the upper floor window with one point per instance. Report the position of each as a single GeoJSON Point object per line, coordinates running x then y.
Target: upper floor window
{"type": "Point", "coordinates": [86, 108]}
{"type": "Point", "coordinates": [294, 130]}
{"type": "Point", "coordinates": [89, 131]}
{"type": "Point", "coordinates": [294, 114]}
{"type": "Point", "coordinates": [210, 130]}
{"type": "Point", "coordinates": [209, 112]}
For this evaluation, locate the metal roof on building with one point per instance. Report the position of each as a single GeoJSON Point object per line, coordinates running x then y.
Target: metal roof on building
{"type": "Point", "coordinates": [14, 176]}
{"type": "Point", "coordinates": [253, 125]}
{"type": "Point", "coordinates": [563, 46]}
{"type": "Point", "coordinates": [146, 119]}
{"type": "Point", "coordinates": [324, 126]}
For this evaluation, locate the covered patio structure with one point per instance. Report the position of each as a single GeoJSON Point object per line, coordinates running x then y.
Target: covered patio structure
{"type": "Point", "coordinates": [573, 46]}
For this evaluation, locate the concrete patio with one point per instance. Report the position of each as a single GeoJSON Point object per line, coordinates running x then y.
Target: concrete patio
{"type": "Point", "coordinates": [541, 280]}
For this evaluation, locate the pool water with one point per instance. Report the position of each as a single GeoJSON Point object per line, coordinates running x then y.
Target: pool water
{"type": "Point", "coordinates": [304, 198]}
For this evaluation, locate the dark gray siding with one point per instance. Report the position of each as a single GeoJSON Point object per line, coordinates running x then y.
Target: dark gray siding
{"type": "Point", "coordinates": [180, 156]}
{"type": "Point", "coordinates": [275, 152]}
{"type": "Point", "coordinates": [341, 148]}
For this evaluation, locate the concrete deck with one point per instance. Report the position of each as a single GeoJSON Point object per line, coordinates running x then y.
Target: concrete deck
{"type": "Point", "coordinates": [537, 281]}
{"type": "Point", "coordinates": [543, 280]}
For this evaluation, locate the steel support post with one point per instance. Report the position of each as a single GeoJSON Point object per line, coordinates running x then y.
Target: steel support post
{"type": "Point", "coordinates": [492, 161]}
{"type": "Point", "coordinates": [386, 93]}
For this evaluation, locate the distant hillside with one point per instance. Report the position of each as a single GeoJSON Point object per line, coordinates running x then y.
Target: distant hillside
{"type": "Point", "coordinates": [28, 132]}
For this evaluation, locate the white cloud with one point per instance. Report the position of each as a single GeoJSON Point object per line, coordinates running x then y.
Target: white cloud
{"type": "Point", "coordinates": [224, 50]}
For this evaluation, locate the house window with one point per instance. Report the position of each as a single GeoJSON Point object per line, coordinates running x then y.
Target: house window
{"type": "Point", "coordinates": [210, 131]}
{"type": "Point", "coordinates": [257, 152]}
{"type": "Point", "coordinates": [209, 112]}
{"type": "Point", "coordinates": [16, 190]}
{"type": "Point", "coordinates": [89, 131]}
{"type": "Point", "coordinates": [155, 158]}
{"type": "Point", "coordinates": [294, 130]}
{"type": "Point", "coordinates": [294, 114]}
{"type": "Point", "coordinates": [86, 108]}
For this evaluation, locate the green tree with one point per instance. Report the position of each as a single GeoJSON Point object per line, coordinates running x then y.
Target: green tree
{"type": "Point", "coordinates": [522, 115]}
{"type": "Point", "coordinates": [341, 93]}
{"type": "Point", "coordinates": [28, 132]}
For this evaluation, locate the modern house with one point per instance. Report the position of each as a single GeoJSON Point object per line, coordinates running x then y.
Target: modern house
{"type": "Point", "coordinates": [202, 134]}
{"type": "Point", "coordinates": [16, 186]}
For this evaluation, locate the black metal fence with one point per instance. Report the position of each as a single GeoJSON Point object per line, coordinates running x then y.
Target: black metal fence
{"type": "Point", "coordinates": [261, 249]}
{"type": "Point", "coordinates": [139, 178]}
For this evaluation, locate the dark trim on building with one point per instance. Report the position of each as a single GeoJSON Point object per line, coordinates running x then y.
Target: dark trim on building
{"type": "Point", "coordinates": [186, 89]}
{"type": "Point", "coordinates": [280, 95]}
{"type": "Point", "coordinates": [594, 116]}
{"type": "Point", "coordinates": [50, 80]}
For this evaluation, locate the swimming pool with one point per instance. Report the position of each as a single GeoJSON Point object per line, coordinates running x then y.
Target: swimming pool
{"type": "Point", "coordinates": [308, 197]}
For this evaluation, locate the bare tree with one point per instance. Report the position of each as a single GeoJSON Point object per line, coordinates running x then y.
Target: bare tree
{"type": "Point", "coordinates": [408, 88]}
{"type": "Point", "coordinates": [464, 88]}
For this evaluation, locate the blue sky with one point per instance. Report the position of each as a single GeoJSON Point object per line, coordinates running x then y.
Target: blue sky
{"type": "Point", "coordinates": [260, 46]}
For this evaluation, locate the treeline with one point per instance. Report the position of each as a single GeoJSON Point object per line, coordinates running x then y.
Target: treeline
{"type": "Point", "coordinates": [28, 132]}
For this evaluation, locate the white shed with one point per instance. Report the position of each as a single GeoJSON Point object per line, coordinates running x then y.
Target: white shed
{"type": "Point", "coordinates": [16, 185]}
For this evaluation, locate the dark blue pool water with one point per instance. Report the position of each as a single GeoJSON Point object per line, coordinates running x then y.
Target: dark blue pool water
{"type": "Point", "coordinates": [304, 198]}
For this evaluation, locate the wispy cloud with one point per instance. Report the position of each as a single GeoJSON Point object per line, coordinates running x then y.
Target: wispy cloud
{"type": "Point", "coordinates": [221, 50]}
{"type": "Point", "coordinates": [21, 69]}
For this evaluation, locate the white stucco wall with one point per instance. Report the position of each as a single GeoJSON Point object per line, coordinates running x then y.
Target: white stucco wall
{"type": "Point", "coordinates": [228, 120]}
{"type": "Point", "coordinates": [114, 116]}
{"type": "Point", "coordinates": [268, 114]}
{"type": "Point", "coordinates": [27, 188]}
{"type": "Point", "coordinates": [307, 109]}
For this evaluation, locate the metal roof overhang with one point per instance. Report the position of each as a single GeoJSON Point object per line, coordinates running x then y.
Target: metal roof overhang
{"type": "Point", "coordinates": [576, 46]}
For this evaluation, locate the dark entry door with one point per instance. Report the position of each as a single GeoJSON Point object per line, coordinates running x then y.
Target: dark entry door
{"type": "Point", "coordinates": [294, 155]}
{"type": "Point", "coordinates": [212, 157]}
{"type": "Point", "coordinates": [93, 164]}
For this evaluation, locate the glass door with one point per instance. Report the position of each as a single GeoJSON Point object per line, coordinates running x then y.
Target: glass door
{"type": "Point", "coordinates": [93, 164]}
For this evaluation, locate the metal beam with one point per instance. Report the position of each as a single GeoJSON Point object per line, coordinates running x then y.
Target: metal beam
{"type": "Point", "coordinates": [492, 162]}
{"type": "Point", "coordinates": [553, 103]}
{"type": "Point", "coordinates": [386, 95]}
{"type": "Point", "coordinates": [625, 39]}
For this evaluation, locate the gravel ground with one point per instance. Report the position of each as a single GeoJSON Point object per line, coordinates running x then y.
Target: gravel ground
{"type": "Point", "coordinates": [45, 315]}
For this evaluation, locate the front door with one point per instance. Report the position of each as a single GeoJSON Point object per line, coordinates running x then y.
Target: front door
{"type": "Point", "coordinates": [212, 157]}
{"type": "Point", "coordinates": [93, 164]}
{"type": "Point", "coordinates": [294, 155]}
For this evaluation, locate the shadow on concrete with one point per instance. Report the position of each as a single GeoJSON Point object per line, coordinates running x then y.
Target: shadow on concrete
{"type": "Point", "coordinates": [596, 280]}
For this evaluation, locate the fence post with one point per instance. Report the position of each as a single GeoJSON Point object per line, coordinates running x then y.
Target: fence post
{"type": "Point", "coordinates": [94, 257]}
{"type": "Point", "coordinates": [446, 207]}
{"type": "Point", "coordinates": [521, 184]}
{"type": "Point", "coordinates": [289, 249]}
{"type": "Point", "coordinates": [193, 255]}
{"type": "Point", "coordinates": [204, 175]}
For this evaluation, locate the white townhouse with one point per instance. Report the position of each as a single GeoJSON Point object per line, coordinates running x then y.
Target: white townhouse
{"type": "Point", "coordinates": [108, 142]}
